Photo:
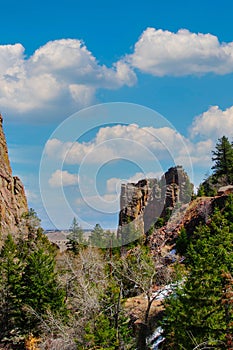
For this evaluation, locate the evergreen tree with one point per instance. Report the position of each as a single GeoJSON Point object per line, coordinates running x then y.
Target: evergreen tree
{"type": "Point", "coordinates": [76, 237]}
{"type": "Point", "coordinates": [201, 191]}
{"type": "Point", "coordinates": [196, 313]}
{"type": "Point", "coordinates": [29, 287]}
{"type": "Point", "coordinates": [110, 329]}
{"type": "Point", "coordinates": [209, 186]}
{"type": "Point", "coordinates": [223, 158]}
{"type": "Point", "coordinates": [97, 238]}
{"type": "Point", "coordinates": [182, 241]}
{"type": "Point", "coordinates": [31, 223]}
{"type": "Point", "coordinates": [129, 235]}
{"type": "Point", "coordinates": [10, 277]}
{"type": "Point", "coordinates": [39, 287]}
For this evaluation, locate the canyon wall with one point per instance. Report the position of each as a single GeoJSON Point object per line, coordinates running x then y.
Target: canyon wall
{"type": "Point", "coordinates": [13, 202]}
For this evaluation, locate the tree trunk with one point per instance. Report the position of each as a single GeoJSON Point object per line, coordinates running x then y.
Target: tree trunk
{"type": "Point", "coordinates": [142, 334]}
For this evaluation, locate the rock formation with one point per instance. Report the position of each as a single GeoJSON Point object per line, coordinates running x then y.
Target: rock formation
{"type": "Point", "coordinates": [13, 202]}
{"type": "Point", "coordinates": [144, 202]}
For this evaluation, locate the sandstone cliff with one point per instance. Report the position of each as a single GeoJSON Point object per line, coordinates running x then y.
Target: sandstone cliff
{"type": "Point", "coordinates": [144, 202]}
{"type": "Point", "coordinates": [13, 202]}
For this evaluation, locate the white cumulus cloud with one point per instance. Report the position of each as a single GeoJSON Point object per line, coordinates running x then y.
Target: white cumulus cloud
{"type": "Point", "coordinates": [63, 75]}
{"type": "Point", "coordinates": [60, 72]}
{"type": "Point", "coordinates": [161, 52]}
{"type": "Point", "coordinates": [113, 185]}
{"type": "Point", "coordinates": [213, 123]}
{"type": "Point", "coordinates": [62, 178]}
{"type": "Point", "coordinates": [131, 142]}
{"type": "Point", "coordinates": [120, 141]}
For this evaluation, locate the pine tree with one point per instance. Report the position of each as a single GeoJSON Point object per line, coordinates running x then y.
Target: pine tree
{"type": "Point", "coordinates": [29, 287]}
{"type": "Point", "coordinates": [227, 302]}
{"type": "Point", "coordinates": [129, 235]}
{"type": "Point", "coordinates": [196, 313]}
{"type": "Point", "coordinates": [76, 237]}
{"type": "Point", "coordinates": [223, 158]}
{"type": "Point", "coordinates": [10, 277]}
{"type": "Point", "coordinates": [97, 238]}
{"type": "Point", "coordinates": [182, 242]}
{"type": "Point", "coordinates": [110, 328]}
{"type": "Point", "coordinates": [39, 288]}
{"type": "Point", "coordinates": [30, 222]}
{"type": "Point", "coordinates": [209, 186]}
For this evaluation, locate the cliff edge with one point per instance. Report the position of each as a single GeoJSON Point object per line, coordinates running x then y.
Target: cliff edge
{"type": "Point", "coordinates": [13, 201]}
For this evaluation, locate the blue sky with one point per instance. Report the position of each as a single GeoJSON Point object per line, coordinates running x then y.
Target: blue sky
{"type": "Point", "coordinates": [174, 57]}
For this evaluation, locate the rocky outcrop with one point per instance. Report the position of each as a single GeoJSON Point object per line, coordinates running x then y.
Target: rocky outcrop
{"type": "Point", "coordinates": [144, 202]}
{"type": "Point", "coordinates": [133, 200]}
{"type": "Point", "coordinates": [225, 190]}
{"type": "Point", "coordinates": [13, 202]}
{"type": "Point", "coordinates": [189, 216]}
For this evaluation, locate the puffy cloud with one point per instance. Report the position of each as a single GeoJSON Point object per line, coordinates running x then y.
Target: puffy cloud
{"type": "Point", "coordinates": [200, 153]}
{"type": "Point", "coordinates": [125, 73]}
{"type": "Point", "coordinates": [120, 141]}
{"type": "Point", "coordinates": [143, 144]}
{"type": "Point", "coordinates": [60, 72]}
{"type": "Point", "coordinates": [61, 178]}
{"type": "Point", "coordinates": [63, 75]}
{"type": "Point", "coordinates": [11, 59]}
{"type": "Point", "coordinates": [72, 153]}
{"type": "Point", "coordinates": [161, 52]}
{"type": "Point", "coordinates": [81, 93]}
{"type": "Point", "coordinates": [213, 123]}
{"type": "Point", "coordinates": [70, 60]}
{"type": "Point", "coordinates": [52, 146]}
{"type": "Point", "coordinates": [114, 185]}
{"type": "Point", "coordinates": [204, 132]}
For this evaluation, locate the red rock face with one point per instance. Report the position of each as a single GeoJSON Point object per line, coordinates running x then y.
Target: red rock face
{"type": "Point", "coordinates": [13, 202]}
